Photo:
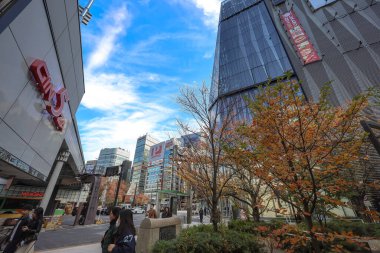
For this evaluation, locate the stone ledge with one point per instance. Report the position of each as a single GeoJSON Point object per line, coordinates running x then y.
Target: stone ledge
{"type": "Point", "coordinates": [158, 223]}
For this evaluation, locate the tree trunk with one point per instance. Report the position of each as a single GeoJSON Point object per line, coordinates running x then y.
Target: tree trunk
{"type": "Point", "coordinates": [255, 209]}
{"type": "Point", "coordinates": [314, 242]}
{"type": "Point", "coordinates": [214, 214]}
{"type": "Point", "coordinates": [360, 208]}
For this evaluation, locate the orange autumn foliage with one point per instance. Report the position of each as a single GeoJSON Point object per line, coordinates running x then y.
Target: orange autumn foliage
{"type": "Point", "coordinates": [300, 148]}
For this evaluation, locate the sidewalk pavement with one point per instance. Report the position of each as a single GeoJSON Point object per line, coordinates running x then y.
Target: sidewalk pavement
{"type": "Point", "coordinates": [95, 247]}
{"type": "Point", "coordinates": [87, 248]}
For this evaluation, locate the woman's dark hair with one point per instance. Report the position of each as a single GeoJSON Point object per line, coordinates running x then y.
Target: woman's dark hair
{"type": "Point", "coordinates": [126, 222]}
{"type": "Point", "coordinates": [116, 212]}
{"type": "Point", "coordinates": [39, 211]}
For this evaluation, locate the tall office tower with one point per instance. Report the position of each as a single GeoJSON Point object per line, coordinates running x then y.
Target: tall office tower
{"type": "Point", "coordinates": [110, 157]}
{"type": "Point", "coordinates": [140, 163]}
{"type": "Point", "coordinates": [337, 41]}
{"type": "Point", "coordinates": [248, 52]}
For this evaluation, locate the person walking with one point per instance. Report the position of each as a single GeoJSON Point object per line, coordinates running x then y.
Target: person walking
{"type": "Point", "coordinates": [125, 241]}
{"type": "Point", "coordinates": [110, 234]}
{"type": "Point", "coordinates": [166, 213]}
{"type": "Point", "coordinates": [17, 234]}
{"type": "Point", "coordinates": [152, 213]}
{"type": "Point", "coordinates": [201, 215]}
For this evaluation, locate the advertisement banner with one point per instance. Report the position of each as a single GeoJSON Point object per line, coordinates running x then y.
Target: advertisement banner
{"type": "Point", "coordinates": [157, 152]}
{"type": "Point", "coordinates": [305, 49]}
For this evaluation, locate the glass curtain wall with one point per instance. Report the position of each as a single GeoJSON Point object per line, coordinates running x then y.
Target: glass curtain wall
{"type": "Point", "coordinates": [248, 52]}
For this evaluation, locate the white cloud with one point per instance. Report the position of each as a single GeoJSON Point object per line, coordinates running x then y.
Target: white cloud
{"type": "Point", "coordinates": [118, 21]}
{"type": "Point", "coordinates": [106, 91]}
{"type": "Point", "coordinates": [122, 128]}
{"type": "Point", "coordinates": [208, 55]}
{"type": "Point", "coordinates": [210, 9]}
{"type": "Point", "coordinates": [123, 113]}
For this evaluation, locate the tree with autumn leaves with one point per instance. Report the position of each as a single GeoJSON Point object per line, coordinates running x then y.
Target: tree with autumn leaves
{"type": "Point", "coordinates": [202, 162]}
{"type": "Point", "coordinates": [301, 148]}
{"type": "Point", "coordinates": [110, 187]}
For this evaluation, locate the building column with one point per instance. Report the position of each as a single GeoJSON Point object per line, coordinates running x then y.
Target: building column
{"type": "Point", "coordinates": [62, 158]}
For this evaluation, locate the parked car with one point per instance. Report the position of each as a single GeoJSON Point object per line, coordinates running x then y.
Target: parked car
{"type": "Point", "coordinates": [138, 210]}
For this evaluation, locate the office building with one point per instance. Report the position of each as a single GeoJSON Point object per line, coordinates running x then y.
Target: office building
{"type": "Point", "coordinates": [162, 179]}
{"type": "Point", "coordinates": [110, 157]}
{"type": "Point", "coordinates": [317, 40]}
{"type": "Point", "coordinates": [41, 86]}
{"type": "Point", "coordinates": [140, 163]}
{"type": "Point", "coordinates": [248, 52]}
{"type": "Point", "coordinates": [90, 166]}
{"type": "Point", "coordinates": [337, 41]}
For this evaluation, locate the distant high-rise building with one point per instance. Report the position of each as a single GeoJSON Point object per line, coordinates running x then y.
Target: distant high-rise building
{"type": "Point", "coordinates": [110, 157]}
{"type": "Point", "coordinates": [90, 166]}
{"type": "Point", "coordinates": [140, 163]}
{"type": "Point", "coordinates": [162, 178]}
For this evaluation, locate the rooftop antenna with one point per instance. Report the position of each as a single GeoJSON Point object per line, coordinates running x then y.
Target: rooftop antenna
{"type": "Point", "coordinates": [85, 15]}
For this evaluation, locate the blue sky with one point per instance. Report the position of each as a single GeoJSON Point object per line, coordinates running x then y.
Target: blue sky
{"type": "Point", "coordinates": [137, 54]}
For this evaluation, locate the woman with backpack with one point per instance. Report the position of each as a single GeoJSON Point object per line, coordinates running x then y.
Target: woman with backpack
{"type": "Point", "coordinates": [125, 237]}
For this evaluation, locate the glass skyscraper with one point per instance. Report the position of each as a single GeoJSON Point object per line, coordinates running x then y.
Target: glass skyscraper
{"type": "Point", "coordinates": [248, 52]}
{"type": "Point", "coordinates": [140, 161]}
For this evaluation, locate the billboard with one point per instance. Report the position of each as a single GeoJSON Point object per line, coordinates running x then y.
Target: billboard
{"type": "Point", "coordinates": [301, 42]}
{"type": "Point", "coordinates": [157, 152]}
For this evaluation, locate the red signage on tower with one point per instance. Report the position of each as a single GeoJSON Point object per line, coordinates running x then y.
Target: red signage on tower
{"type": "Point", "coordinates": [305, 49]}
{"type": "Point", "coordinates": [56, 99]}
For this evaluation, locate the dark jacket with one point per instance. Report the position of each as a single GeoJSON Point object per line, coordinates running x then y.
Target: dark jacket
{"type": "Point", "coordinates": [109, 236]}
{"type": "Point", "coordinates": [166, 215]}
{"type": "Point", "coordinates": [34, 227]}
{"type": "Point", "coordinates": [125, 243]}
{"type": "Point", "coordinates": [17, 235]}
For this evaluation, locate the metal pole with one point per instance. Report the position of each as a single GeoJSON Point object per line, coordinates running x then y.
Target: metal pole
{"type": "Point", "coordinates": [134, 196]}
{"type": "Point", "coordinates": [86, 9]}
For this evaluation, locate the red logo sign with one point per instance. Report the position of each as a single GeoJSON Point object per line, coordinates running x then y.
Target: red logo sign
{"type": "Point", "coordinates": [32, 194]}
{"type": "Point", "coordinates": [56, 99]}
{"type": "Point", "coordinates": [157, 151]}
{"type": "Point", "coordinates": [300, 40]}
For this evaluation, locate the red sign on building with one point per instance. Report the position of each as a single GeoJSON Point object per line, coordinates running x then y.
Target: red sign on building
{"type": "Point", "coordinates": [56, 99]}
{"type": "Point", "coordinates": [32, 194]}
{"type": "Point", "coordinates": [305, 49]}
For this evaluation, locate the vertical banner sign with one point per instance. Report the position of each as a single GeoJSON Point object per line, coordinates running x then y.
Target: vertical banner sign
{"type": "Point", "coordinates": [305, 49]}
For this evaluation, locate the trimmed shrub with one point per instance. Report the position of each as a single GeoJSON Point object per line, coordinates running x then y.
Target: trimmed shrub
{"type": "Point", "coordinates": [203, 239]}
{"type": "Point", "coordinates": [256, 228]}
{"type": "Point", "coordinates": [359, 229]}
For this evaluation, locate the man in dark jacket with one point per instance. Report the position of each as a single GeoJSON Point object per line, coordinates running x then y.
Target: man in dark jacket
{"type": "Point", "coordinates": [17, 234]}
{"type": "Point", "coordinates": [110, 234]}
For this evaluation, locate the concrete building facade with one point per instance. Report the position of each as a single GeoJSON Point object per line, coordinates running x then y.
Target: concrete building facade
{"type": "Point", "coordinates": [41, 86]}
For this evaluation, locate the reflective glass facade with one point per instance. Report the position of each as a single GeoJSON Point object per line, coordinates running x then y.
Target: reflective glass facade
{"type": "Point", "coordinates": [248, 49]}
{"type": "Point", "coordinates": [140, 161]}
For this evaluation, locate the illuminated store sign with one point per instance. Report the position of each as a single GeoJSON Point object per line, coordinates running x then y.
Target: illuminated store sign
{"type": "Point", "coordinates": [305, 49]}
{"type": "Point", "coordinates": [32, 194]}
{"type": "Point", "coordinates": [56, 99]}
